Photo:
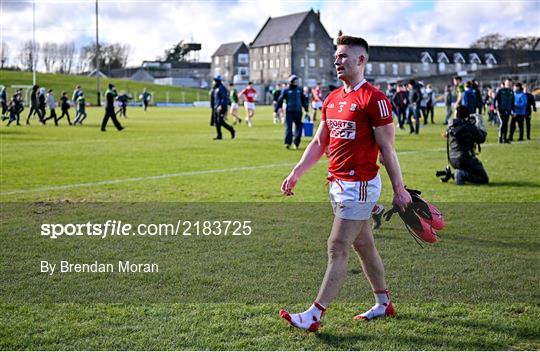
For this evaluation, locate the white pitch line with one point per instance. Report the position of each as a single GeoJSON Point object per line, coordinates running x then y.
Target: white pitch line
{"type": "Point", "coordinates": [144, 178]}
{"type": "Point", "coordinates": [188, 173]}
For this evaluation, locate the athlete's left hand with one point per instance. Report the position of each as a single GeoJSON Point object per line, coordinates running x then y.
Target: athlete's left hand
{"type": "Point", "coordinates": [402, 199]}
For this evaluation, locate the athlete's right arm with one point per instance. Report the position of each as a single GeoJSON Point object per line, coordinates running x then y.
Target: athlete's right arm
{"type": "Point", "coordinates": [314, 151]}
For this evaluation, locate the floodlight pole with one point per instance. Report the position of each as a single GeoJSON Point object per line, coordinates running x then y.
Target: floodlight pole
{"type": "Point", "coordinates": [97, 58]}
{"type": "Point", "coordinates": [34, 42]}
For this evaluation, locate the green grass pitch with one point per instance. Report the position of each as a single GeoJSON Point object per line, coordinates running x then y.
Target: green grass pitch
{"type": "Point", "coordinates": [476, 289]}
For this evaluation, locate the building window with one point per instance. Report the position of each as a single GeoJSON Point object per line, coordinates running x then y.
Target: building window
{"type": "Point", "coordinates": [311, 62]}
{"type": "Point", "coordinates": [243, 58]}
{"type": "Point", "coordinates": [265, 50]}
{"type": "Point", "coordinates": [321, 63]}
{"type": "Point", "coordinates": [271, 63]}
{"type": "Point", "coordinates": [382, 69]}
{"type": "Point", "coordinates": [254, 65]}
{"type": "Point", "coordinates": [442, 67]}
{"type": "Point", "coordinates": [474, 66]}
{"type": "Point", "coordinates": [408, 69]}
{"type": "Point", "coordinates": [271, 48]}
{"type": "Point", "coordinates": [458, 66]}
{"type": "Point", "coordinates": [265, 64]}
{"type": "Point", "coordinates": [286, 62]}
{"type": "Point", "coordinates": [226, 60]}
{"type": "Point", "coordinates": [216, 60]}
{"type": "Point", "coordinates": [277, 63]}
{"type": "Point", "coordinates": [395, 69]}
{"type": "Point", "coordinates": [277, 48]}
{"type": "Point", "coordinates": [242, 71]}
{"type": "Point", "coordinates": [425, 66]}
{"type": "Point", "coordinates": [302, 62]}
{"type": "Point", "coordinates": [369, 68]}
{"type": "Point", "coordinates": [311, 46]}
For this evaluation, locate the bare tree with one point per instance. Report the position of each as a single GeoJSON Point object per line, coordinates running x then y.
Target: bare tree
{"type": "Point", "coordinates": [66, 57]}
{"type": "Point", "coordinates": [50, 55]}
{"type": "Point", "coordinates": [4, 55]}
{"type": "Point", "coordinates": [112, 56]}
{"type": "Point", "coordinates": [28, 56]}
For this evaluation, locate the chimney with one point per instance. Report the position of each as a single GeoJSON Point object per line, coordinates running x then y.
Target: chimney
{"type": "Point", "coordinates": [318, 13]}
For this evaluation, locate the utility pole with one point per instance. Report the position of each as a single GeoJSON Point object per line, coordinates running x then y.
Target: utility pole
{"type": "Point", "coordinates": [97, 58]}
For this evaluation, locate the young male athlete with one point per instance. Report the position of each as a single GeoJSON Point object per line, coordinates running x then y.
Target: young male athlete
{"type": "Point", "coordinates": [356, 123]}
{"type": "Point", "coordinates": [233, 97]}
{"type": "Point", "coordinates": [249, 93]}
{"type": "Point", "coordinates": [317, 100]}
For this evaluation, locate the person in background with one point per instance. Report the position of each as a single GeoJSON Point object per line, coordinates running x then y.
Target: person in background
{"type": "Point", "coordinates": [64, 106]}
{"type": "Point", "coordinates": [51, 103]}
{"type": "Point", "coordinates": [110, 95]}
{"type": "Point", "coordinates": [504, 103]}
{"type": "Point", "coordinates": [430, 105]}
{"type": "Point", "coordinates": [233, 97]}
{"type": "Point", "coordinates": [81, 110]}
{"type": "Point", "coordinates": [249, 95]}
{"type": "Point", "coordinates": [3, 102]}
{"type": "Point", "coordinates": [448, 103]}
{"type": "Point", "coordinates": [221, 105]}
{"type": "Point", "coordinates": [145, 97]}
{"type": "Point", "coordinates": [317, 100]}
{"type": "Point", "coordinates": [520, 110]}
{"type": "Point", "coordinates": [34, 106]}
{"type": "Point", "coordinates": [493, 119]}
{"type": "Point", "coordinates": [531, 105]}
{"type": "Point", "coordinates": [401, 102]}
{"type": "Point", "coordinates": [296, 100]}
{"type": "Point", "coordinates": [415, 97]}
{"type": "Point", "coordinates": [41, 102]}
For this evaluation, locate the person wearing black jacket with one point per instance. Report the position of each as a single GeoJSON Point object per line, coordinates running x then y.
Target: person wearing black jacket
{"type": "Point", "coordinates": [64, 106]}
{"type": "Point", "coordinates": [504, 103]}
{"type": "Point", "coordinates": [110, 95]}
{"type": "Point", "coordinates": [463, 134]}
{"type": "Point", "coordinates": [220, 107]}
{"type": "Point", "coordinates": [401, 103]}
{"type": "Point", "coordinates": [41, 102]}
{"type": "Point", "coordinates": [296, 100]}
{"type": "Point", "coordinates": [34, 105]}
{"type": "Point", "coordinates": [415, 97]}
{"type": "Point", "coordinates": [531, 105]}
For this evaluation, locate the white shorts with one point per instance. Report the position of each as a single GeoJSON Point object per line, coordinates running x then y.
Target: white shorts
{"type": "Point", "coordinates": [234, 106]}
{"type": "Point", "coordinates": [249, 106]}
{"type": "Point", "coordinates": [354, 200]}
{"type": "Point", "coordinates": [316, 105]}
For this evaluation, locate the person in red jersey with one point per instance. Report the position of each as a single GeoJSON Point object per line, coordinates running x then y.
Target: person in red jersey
{"type": "Point", "coordinates": [356, 124]}
{"type": "Point", "coordinates": [249, 95]}
{"type": "Point", "coordinates": [317, 100]}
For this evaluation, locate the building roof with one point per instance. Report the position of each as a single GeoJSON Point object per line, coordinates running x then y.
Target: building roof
{"type": "Point", "coordinates": [278, 30]}
{"type": "Point", "coordinates": [228, 48]}
{"type": "Point", "coordinates": [415, 54]}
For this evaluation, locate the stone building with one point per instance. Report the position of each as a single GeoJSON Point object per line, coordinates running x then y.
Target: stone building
{"type": "Point", "coordinates": [231, 61]}
{"type": "Point", "coordinates": [296, 43]}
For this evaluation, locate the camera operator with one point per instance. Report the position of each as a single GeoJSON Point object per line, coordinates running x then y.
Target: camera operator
{"type": "Point", "coordinates": [464, 132]}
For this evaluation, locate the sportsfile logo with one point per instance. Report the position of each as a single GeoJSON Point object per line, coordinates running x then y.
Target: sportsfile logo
{"type": "Point", "coordinates": [342, 129]}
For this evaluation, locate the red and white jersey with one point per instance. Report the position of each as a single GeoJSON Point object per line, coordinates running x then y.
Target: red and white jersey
{"type": "Point", "coordinates": [350, 118]}
{"type": "Point", "coordinates": [249, 93]}
{"type": "Point", "coordinates": [316, 93]}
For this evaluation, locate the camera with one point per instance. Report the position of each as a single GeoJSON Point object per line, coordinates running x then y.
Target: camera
{"type": "Point", "coordinates": [445, 174]}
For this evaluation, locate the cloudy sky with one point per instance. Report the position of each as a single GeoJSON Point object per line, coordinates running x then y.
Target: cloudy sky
{"type": "Point", "coordinates": [150, 27]}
